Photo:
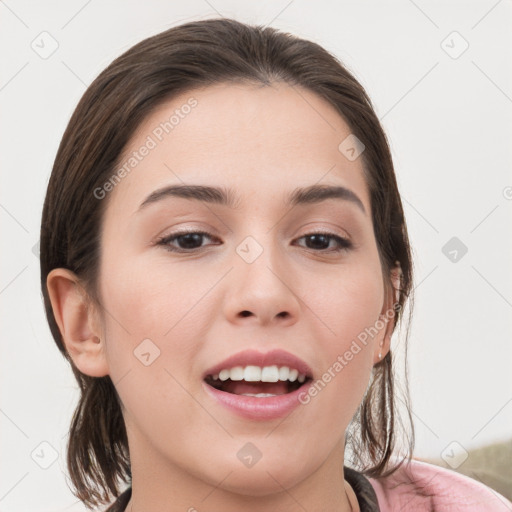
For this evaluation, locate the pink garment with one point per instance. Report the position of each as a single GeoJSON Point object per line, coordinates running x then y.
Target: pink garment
{"type": "Point", "coordinates": [451, 491]}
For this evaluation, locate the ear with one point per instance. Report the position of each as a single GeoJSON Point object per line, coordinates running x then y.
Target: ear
{"type": "Point", "coordinates": [78, 322]}
{"type": "Point", "coordinates": [388, 315]}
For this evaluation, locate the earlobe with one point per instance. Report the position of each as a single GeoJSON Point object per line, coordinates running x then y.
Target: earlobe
{"type": "Point", "coordinates": [77, 322]}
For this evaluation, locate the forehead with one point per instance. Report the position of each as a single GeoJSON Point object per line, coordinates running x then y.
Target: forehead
{"type": "Point", "coordinates": [258, 140]}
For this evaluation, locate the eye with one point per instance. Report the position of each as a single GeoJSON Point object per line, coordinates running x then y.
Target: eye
{"type": "Point", "coordinates": [321, 241]}
{"type": "Point", "coordinates": [190, 241]}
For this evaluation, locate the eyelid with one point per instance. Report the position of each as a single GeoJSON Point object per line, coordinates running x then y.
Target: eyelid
{"type": "Point", "coordinates": [319, 226]}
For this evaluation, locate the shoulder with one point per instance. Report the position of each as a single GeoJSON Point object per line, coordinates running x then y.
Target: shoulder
{"type": "Point", "coordinates": [421, 486]}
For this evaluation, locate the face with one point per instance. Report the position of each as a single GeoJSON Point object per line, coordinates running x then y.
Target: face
{"type": "Point", "coordinates": [261, 275]}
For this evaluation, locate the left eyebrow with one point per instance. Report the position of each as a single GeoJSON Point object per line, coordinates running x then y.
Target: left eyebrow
{"type": "Point", "coordinates": [226, 196]}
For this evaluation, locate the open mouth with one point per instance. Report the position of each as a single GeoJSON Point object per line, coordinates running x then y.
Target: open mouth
{"type": "Point", "coordinates": [259, 386]}
{"type": "Point", "coordinates": [257, 389]}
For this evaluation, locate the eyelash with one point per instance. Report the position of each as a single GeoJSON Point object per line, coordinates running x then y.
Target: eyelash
{"type": "Point", "coordinates": [343, 243]}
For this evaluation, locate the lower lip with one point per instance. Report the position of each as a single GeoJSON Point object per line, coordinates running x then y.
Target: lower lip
{"type": "Point", "coordinates": [262, 408]}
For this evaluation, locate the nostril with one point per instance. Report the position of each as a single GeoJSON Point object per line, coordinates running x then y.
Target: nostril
{"type": "Point", "coordinates": [245, 313]}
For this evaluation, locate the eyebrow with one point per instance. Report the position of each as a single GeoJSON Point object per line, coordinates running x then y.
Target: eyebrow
{"type": "Point", "coordinates": [226, 197]}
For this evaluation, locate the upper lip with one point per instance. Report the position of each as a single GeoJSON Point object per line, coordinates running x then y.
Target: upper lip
{"type": "Point", "coordinates": [275, 357]}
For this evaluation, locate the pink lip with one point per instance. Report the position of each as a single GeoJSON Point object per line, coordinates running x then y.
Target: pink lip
{"type": "Point", "coordinates": [263, 408]}
{"type": "Point", "coordinates": [275, 357]}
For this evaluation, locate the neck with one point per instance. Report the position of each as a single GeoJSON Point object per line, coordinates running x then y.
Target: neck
{"type": "Point", "coordinates": [158, 485]}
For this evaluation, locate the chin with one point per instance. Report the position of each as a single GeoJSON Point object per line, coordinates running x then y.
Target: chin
{"type": "Point", "coordinates": [267, 476]}
{"type": "Point", "coordinates": [264, 481]}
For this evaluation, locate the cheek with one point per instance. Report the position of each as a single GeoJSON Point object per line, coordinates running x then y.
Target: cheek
{"type": "Point", "coordinates": [347, 309]}
{"type": "Point", "coordinates": [156, 309]}
{"type": "Point", "coordinates": [346, 302]}
{"type": "Point", "coordinates": [149, 299]}
{"type": "Point", "coordinates": [150, 326]}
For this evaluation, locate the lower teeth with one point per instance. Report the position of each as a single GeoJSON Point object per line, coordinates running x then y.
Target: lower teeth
{"type": "Point", "coordinates": [259, 395]}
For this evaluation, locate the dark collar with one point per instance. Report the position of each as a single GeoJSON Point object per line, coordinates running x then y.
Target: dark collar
{"type": "Point", "coordinates": [365, 493]}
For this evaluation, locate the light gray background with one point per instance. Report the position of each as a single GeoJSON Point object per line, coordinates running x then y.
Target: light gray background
{"type": "Point", "coordinates": [449, 124]}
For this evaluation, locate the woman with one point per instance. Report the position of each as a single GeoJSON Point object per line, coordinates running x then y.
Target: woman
{"type": "Point", "coordinates": [224, 259]}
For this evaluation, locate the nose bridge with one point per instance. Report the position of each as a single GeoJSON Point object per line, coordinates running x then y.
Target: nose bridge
{"type": "Point", "coordinates": [261, 282]}
{"type": "Point", "coordinates": [257, 260]}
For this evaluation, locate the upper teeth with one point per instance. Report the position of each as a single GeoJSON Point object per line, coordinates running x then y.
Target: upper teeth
{"type": "Point", "coordinates": [257, 374]}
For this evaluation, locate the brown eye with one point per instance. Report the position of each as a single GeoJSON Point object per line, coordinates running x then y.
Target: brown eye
{"type": "Point", "coordinates": [320, 241]}
{"type": "Point", "coordinates": [187, 241]}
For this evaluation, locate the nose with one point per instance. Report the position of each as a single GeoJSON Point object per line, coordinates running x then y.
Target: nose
{"type": "Point", "coordinates": [263, 291]}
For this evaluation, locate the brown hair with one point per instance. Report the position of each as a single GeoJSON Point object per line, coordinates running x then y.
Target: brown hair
{"type": "Point", "coordinates": [155, 70]}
